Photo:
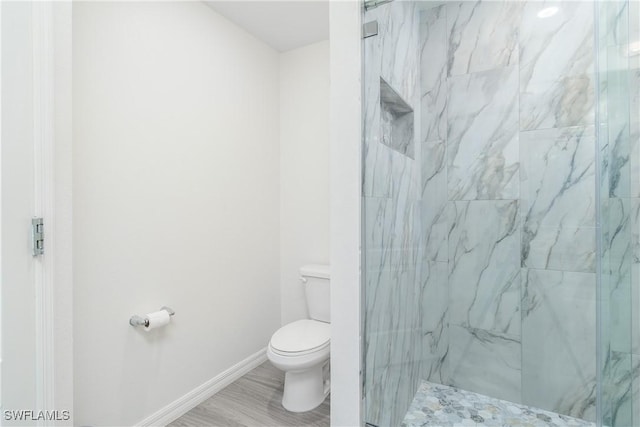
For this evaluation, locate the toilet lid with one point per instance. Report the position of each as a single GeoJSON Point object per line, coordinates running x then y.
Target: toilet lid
{"type": "Point", "coordinates": [302, 335]}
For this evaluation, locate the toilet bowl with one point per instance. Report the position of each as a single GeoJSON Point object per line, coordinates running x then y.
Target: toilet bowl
{"type": "Point", "coordinates": [301, 349]}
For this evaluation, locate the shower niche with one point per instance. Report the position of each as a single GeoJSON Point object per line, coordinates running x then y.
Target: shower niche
{"type": "Point", "coordinates": [396, 120]}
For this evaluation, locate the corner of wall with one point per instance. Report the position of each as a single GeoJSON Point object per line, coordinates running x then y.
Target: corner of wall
{"type": "Point", "coordinates": [304, 170]}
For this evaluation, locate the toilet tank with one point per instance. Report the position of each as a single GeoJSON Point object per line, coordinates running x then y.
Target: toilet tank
{"type": "Point", "coordinates": [315, 278]}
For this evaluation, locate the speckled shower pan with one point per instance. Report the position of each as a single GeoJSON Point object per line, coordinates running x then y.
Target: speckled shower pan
{"type": "Point", "coordinates": [437, 405]}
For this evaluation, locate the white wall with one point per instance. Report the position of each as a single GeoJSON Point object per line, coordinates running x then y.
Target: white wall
{"type": "Point", "coordinates": [304, 170]}
{"type": "Point", "coordinates": [345, 178]}
{"type": "Point", "coordinates": [176, 202]}
{"type": "Point", "coordinates": [17, 206]}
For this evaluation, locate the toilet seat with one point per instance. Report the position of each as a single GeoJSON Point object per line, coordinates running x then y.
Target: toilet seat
{"type": "Point", "coordinates": [301, 337]}
{"type": "Point", "coordinates": [320, 349]}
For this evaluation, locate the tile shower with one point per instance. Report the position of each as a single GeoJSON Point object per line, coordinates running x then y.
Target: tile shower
{"type": "Point", "coordinates": [481, 209]}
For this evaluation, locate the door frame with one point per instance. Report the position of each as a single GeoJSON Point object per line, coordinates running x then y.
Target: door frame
{"type": "Point", "coordinates": [44, 203]}
{"type": "Point", "coordinates": [51, 27]}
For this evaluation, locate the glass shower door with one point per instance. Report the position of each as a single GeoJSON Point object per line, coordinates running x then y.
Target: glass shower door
{"type": "Point", "coordinates": [500, 200]}
{"type": "Point", "coordinates": [618, 203]}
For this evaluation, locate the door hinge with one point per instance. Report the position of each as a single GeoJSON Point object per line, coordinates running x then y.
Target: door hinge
{"type": "Point", "coordinates": [37, 236]}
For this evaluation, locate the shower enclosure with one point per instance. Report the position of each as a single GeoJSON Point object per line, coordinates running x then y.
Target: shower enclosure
{"type": "Point", "coordinates": [500, 200]}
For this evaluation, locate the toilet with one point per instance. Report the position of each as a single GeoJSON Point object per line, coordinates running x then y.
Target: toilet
{"type": "Point", "coordinates": [301, 348]}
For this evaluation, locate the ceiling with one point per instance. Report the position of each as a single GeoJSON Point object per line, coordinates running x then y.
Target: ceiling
{"type": "Point", "coordinates": [283, 25]}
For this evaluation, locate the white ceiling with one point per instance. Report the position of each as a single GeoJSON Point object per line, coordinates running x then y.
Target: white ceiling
{"type": "Point", "coordinates": [283, 25]}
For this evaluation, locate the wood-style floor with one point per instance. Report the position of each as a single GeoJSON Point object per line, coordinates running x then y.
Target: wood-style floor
{"type": "Point", "coordinates": [255, 400]}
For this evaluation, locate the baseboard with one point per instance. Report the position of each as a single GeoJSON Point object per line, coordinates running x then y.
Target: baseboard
{"type": "Point", "coordinates": [201, 393]}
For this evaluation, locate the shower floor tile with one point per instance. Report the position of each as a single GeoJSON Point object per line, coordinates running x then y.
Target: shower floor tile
{"type": "Point", "coordinates": [444, 406]}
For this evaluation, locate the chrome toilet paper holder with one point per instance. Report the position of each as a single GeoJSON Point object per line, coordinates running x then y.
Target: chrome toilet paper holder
{"type": "Point", "coordinates": [142, 321]}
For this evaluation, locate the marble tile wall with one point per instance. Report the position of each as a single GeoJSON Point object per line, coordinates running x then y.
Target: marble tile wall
{"type": "Point", "coordinates": [434, 194]}
{"type": "Point", "coordinates": [396, 273]}
{"type": "Point", "coordinates": [620, 189]}
{"type": "Point", "coordinates": [480, 242]}
{"type": "Point", "coordinates": [558, 341]}
{"type": "Point", "coordinates": [508, 198]}
{"type": "Point", "coordinates": [633, 31]}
